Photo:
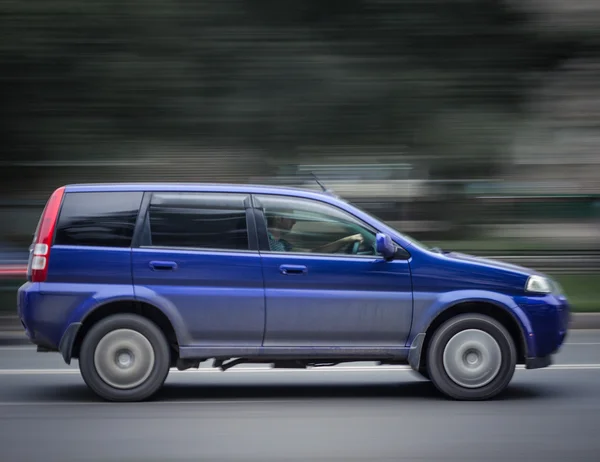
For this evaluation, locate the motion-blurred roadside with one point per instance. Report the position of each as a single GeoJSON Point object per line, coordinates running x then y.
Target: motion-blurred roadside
{"type": "Point", "coordinates": [470, 125]}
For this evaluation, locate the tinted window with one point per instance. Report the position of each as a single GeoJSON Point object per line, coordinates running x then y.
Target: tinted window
{"type": "Point", "coordinates": [310, 226]}
{"type": "Point", "coordinates": [197, 220]}
{"type": "Point", "coordinates": [98, 219]}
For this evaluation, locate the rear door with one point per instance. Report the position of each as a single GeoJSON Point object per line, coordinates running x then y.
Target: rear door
{"type": "Point", "coordinates": [90, 259]}
{"type": "Point", "coordinates": [197, 252]}
{"type": "Point", "coordinates": [348, 297]}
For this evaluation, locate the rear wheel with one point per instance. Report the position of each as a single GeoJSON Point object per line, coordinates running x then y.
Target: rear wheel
{"type": "Point", "coordinates": [471, 357]}
{"type": "Point", "coordinates": [124, 357]}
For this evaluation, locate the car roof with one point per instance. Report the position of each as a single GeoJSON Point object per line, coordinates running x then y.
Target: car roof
{"type": "Point", "coordinates": [201, 187]}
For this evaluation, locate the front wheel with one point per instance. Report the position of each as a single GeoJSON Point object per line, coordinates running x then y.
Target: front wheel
{"type": "Point", "coordinates": [471, 357]}
{"type": "Point", "coordinates": [124, 357]}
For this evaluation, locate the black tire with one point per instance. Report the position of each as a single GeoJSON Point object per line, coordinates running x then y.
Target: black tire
{"type": "Point", "coordinates": [479, 327]}
{"type": "Point", "coordinates": [157, 367]}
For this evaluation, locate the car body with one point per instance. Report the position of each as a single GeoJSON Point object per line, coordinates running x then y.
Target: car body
{"type": "Point", "coordinates": [135, 279]}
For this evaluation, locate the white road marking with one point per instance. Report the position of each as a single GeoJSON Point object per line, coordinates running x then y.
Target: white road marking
{"type": "Point", "coordinates": [265, 370]}
{"type": "Point", "coordinates": [18, 348]}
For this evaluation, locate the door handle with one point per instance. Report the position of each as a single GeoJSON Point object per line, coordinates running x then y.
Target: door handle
{"type": "Point", "coordinates": [163, 265]}
{"type": "Point", "coordinates": [293, 269]}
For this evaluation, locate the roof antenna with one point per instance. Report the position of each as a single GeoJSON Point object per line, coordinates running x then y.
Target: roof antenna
{"type": "Point", "coordinates": [323, 188]}
{"type": "Point", "coordinates": [318, 182]}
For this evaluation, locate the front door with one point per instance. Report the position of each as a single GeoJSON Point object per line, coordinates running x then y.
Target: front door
{"type": "Point", "coordinates": [325, 288]}
{"type": "Point", "coordinates": [198, 255]}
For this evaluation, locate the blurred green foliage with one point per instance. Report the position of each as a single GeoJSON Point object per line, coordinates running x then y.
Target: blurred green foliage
{"type": "Point", "coordinates": [582, 290]}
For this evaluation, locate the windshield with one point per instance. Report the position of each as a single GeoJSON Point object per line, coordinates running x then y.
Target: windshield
{"type": "Point", "coordinates": [409, 238]}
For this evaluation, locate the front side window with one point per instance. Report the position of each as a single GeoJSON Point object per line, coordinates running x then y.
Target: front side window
{"type": "Point", "coordinates": [309, 226]}
{"type": "Point", "coordinates": [198, 221]}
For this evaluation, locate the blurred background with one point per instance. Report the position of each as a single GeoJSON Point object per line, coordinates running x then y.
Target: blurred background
{"type": "Point", "coordinates": [472, 125]}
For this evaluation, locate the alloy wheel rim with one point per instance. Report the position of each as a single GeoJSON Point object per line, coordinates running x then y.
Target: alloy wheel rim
{"type": "Point", "coordinates": [472, 358]}
{"type": "Point", "coordinates": [124, 359]}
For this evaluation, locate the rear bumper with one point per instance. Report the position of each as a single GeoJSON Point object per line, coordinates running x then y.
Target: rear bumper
{"type": "Point", "coordinates": [24, 294]}
{"type": "Point", "coordinates": [35, 324]}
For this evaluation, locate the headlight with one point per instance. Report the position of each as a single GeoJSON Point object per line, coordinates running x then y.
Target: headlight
{"type": "Point", "coordinates": [538, 284]}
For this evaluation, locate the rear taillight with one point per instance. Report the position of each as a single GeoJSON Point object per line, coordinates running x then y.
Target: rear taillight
{"type": "Point", "coordinates": [40, 250]}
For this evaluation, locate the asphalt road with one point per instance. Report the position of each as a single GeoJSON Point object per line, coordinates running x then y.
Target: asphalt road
{"type": "Point", "coordinates": [348, 413]}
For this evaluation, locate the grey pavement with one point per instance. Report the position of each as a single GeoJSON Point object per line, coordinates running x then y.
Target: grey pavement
{"type": "Point", "coordinates": [545, 416]}
{"type": "Point", "coordinates": [349, 413]}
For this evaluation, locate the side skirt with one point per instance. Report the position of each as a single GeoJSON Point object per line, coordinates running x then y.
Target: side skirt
{"type": "Point", "coordinates": [290, 357]}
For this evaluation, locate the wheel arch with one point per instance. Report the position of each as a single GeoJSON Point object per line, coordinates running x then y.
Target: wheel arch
{"type": "Point", "coordinates": [73, 337]}
{"type": "Point", "coordinates": [420, 345]}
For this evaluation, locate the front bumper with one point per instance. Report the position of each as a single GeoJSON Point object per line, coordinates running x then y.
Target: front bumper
{"type": "Point", "coordinates": [539, 362]}
{"type": "Point", "coordinates": [549, 318]}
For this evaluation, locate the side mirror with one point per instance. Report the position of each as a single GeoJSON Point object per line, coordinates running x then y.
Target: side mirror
{"type": "Point", "coordinates": [385, 246]}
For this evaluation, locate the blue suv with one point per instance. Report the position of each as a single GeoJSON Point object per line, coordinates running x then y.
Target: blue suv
{"type": "Point", "coordinates": [135, 279]}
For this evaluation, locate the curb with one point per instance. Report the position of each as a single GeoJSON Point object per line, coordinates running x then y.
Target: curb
{"type": "Point", "coordinates": [13, 338]}
{"type": "Point", "coordinates": [579, 321]}
{"type": "Point", "coordinates": [585, 321]}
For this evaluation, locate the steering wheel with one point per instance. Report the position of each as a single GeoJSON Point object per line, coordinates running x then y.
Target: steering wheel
{"type": "Point", "coordinates": [354, 248]}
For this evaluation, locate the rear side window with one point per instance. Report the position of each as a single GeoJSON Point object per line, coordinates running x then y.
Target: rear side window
{"type": "Point", "coordinates": [198, 221]}
{"type": "Point", "coordinates": [104, 219]}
